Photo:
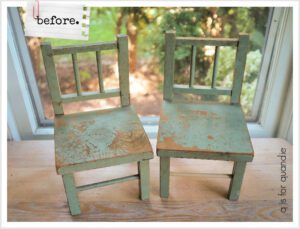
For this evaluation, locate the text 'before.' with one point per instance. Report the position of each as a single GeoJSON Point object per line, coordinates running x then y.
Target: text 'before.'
{"type": "Point", "coordinates": [56, 21]}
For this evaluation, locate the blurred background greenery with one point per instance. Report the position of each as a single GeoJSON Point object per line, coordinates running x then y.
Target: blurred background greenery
{"type": "Point", "coordinates": [145, 27]}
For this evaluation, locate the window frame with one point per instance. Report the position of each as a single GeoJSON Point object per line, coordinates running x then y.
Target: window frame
{"type": "Point", "coordinates": [25, 58]}
{"type": "Point", "coordinates": [43, 128]}
{"type": "Point", "coordinates": [272, 28]}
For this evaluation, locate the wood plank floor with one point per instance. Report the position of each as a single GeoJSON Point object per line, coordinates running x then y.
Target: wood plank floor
{"type": "Point", "coordinates": [36, 193]}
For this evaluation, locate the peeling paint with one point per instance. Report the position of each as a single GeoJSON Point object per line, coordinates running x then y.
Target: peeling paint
{"type": "Point", "coordinates": [129, 141]}
{"type": "Point", "coordinates": [203, 128]}
{"type": "Point", "coordinates": [95, 135]}
{"type": "Point", "coordinates": [210, 137]}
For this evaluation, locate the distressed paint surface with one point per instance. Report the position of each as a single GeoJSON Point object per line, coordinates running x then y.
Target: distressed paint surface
{"type": "Point", "coordinates": [213, 131]}
{"type": "Point", "coordinates": [236, 180]}
{"type": "Point", "coordinates": [215, 128]}
{"type": "Point", "coordinates": [144, 181]}
{"type": "Point", "coordinates": [71, 192]}
{"type": "Point", "coordinates": [96, 135]}
{"type": "Point", "coordinates": [96, 139]}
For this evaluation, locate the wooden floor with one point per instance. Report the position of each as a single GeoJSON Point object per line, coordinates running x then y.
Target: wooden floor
{"type": "Point", "coordinates": [36, 193]}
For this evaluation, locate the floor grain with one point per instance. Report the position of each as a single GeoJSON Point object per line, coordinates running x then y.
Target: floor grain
{"type": "Point", "coordinates": [36, 193]}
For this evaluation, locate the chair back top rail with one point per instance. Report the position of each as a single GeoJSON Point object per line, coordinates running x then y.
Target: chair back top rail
{"type": "Point", "coordinates": [206, 41]}
{"type": "Point", "coordinates": [48, 52]}
{"type": "Point", "coordinates": [171, 42]}
{"type": "Point", "coordinates": [61, 50]}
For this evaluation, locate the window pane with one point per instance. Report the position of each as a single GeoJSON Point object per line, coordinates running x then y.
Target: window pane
{"type": "Point", "coordinates": [145, 27]}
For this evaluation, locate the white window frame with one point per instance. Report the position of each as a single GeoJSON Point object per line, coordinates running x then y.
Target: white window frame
{"type": "Point", "coordinates": [265, 112]}
{"type": "Point", "coordinates": [279, 76]}
{"type": "Point", "coordinates": [25, 58]}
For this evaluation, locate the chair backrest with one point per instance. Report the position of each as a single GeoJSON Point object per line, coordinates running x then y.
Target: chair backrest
{"type": "Point", "coordinates": [58, 99]}
{"type": "Point", "coordinates": [171, 41]}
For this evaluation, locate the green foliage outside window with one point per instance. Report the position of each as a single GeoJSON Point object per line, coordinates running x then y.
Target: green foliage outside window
{"type": "Point", "coordinates": [145, 27]}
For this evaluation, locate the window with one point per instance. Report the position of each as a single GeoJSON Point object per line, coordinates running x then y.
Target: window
{"type": "Point", "coordinates": [146, 86]}
{"type": "Point", "coordinates": [145, 60]}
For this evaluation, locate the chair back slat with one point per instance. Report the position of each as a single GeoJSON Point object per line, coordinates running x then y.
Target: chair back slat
{"type": "Point", "coordinates": [99, 71]}
{"type": "Point", "coordinates": [123, 69]}
{"type": "Point", "coordinates": [215, 68]}
{"type": "Point", "coordinates": [58, 98]}
{"type": "Point", "coordinates": [171, 41]}
{"type": "Point", "coordinates": [169, 64]}
{"type": "Point", "coordinates": [76, 74]}
{"type": "Point", "coordinates": [47, 53]}
{"type": "Point", "coordinates": [193, 66]}
{"type": "Point", "coordinates": [239, 68]}
{"type": "Point", "coordinates": [69, 98]}
{"type": "Point", "coordinates": [200, 90]}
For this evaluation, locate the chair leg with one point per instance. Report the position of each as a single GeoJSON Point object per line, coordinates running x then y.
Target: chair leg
{"type": "Point", "coordinates": [71, 193]}
{"type": "Point", "coordinates": [164, 176]}
{"type": "Point", "coordinates": [236, 180]}
{"type": "Point", "coordinates": [143, 168]}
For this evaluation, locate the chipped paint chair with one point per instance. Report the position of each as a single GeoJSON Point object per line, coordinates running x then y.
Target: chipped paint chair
{"type": "Point", "coordinates": [207, 129]}
{"type": "Point", "coordinates": [101, 138]}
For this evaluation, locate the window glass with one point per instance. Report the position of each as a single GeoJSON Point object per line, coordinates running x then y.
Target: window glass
{"type": "Point", "coordinates": [145, 27]}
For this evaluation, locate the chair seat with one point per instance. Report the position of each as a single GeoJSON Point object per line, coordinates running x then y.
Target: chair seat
{"type": "Point", "coordinates": [99, 135]}
{"type": "Point", "coordinates": [203, 128]}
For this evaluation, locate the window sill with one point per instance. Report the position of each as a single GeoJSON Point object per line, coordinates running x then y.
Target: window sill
{"type": "Point", "coordinates": [256, 130]}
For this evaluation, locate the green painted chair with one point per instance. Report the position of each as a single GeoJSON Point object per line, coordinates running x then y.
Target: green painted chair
{"type": "Point", "coordinates": [101, 138]}
{"type": "Point", "coordinates": [207, 129]}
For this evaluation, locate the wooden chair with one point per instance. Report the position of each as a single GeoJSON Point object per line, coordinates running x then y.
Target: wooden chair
{"type": "Point", "coordinates": [204, 130]}
{"type": "Point", "coordinates": [96, 139]}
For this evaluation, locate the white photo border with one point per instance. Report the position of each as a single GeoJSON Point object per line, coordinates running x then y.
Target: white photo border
{"type": "Point", "coordinates": [161, 3]}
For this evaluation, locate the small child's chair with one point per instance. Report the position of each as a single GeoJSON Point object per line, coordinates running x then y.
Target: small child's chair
{"type": "Point", "coordinates": [101, 138]}
{"type": "Point", "coordinates": [208, 129]}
